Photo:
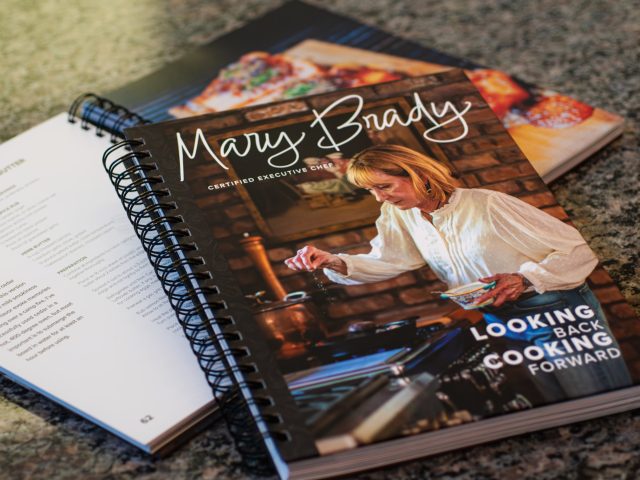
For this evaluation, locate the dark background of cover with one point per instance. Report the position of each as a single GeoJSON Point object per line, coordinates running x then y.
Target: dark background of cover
{"type": "Point", "coordinates": [53, 52]}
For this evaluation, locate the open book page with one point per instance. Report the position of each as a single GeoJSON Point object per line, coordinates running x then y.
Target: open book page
{"type": "Point", "coordinates": [83, 318]}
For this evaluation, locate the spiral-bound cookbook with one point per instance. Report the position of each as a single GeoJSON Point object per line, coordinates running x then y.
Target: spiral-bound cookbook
{"type": "Point", "coordinates": [85, 320]}
{"type": "Point", "coordinates": [374, 275]}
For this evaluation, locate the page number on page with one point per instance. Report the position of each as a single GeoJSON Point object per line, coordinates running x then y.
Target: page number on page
{"type": "Point", "coordinates": [146, 419]}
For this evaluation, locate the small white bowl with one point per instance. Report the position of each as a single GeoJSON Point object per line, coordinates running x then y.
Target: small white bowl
{"type": "Point", "coordinates": [465, 295]}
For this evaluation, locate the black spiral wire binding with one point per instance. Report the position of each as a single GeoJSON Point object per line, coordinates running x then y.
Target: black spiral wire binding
{"type": "Point", "coordinates": [217, 345]}
{"type": "Point", "coordinates": [105, 115]}
{"type": "Point", "coordinates": [175, 261]}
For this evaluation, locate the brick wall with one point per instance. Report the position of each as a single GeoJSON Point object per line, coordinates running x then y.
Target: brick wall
{"type": "Point", "coordinates": [487, 157]}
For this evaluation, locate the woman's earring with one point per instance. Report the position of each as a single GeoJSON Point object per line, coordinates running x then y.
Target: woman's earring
{"type": "Point", "coordinates": [428, 186]}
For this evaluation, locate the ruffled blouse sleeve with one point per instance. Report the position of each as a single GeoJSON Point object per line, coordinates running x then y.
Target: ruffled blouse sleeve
{"type": "Point", "coordinates": [393, 252]}
{"type": "Point", "coordinates": [560, 257]}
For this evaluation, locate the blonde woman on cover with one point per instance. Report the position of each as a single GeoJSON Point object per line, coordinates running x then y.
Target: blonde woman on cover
{"type": "Point", "coordinates": [466, 235]}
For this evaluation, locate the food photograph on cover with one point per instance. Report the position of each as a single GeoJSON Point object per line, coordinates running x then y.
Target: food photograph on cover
{"type": "Point", "coordinates": [545, 124]}
{"type": "Point", "coordinates": [405, 263]}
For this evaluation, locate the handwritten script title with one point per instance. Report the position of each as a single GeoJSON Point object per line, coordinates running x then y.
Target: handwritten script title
{"type": "Point", "coordinates": [283, 150]}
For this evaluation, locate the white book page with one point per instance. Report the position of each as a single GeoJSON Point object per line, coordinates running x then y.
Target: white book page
{"type": "Point", "coordinates": [83, 317]}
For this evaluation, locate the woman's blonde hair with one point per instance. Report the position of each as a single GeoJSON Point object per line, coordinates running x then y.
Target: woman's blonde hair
{"type": "Point", "coordinates": [401, 161]}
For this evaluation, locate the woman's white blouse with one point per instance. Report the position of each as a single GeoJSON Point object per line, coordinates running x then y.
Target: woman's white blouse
{"type": "Point", "coordinates": [478, 233]}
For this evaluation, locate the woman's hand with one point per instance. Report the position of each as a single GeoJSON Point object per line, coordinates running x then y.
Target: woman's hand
{"type": "Point", "coordinates": [509, 286]}
{"type": "Point", "coordinates": [311, 258]}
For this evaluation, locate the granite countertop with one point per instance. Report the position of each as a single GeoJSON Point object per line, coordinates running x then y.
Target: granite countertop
{"type": "Point", "coordinates": [52, 51]}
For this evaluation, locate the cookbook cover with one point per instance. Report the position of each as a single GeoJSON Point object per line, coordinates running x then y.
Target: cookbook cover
{"type": "Point", "coordinates": [393, 260]}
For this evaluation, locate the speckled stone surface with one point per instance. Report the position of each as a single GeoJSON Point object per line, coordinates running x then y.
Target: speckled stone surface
{"type": "Point", "coordinates": [51, 51]}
